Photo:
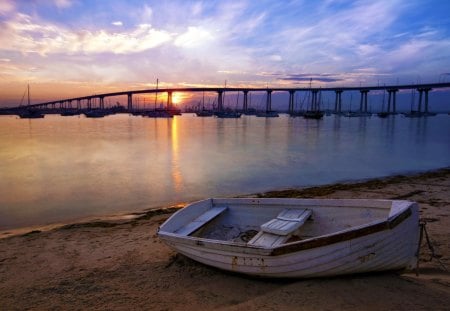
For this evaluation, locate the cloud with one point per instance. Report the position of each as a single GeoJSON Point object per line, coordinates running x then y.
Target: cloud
{"type": "Point", "coordinates": [311, 77]}
{"type": "Point", "coordinates": [6, 7]}
{"type": "Point", "coordinates": [63, 4]}
{"type": "Point", "coordinates": [194, 36]}
{"type": "Point", "coordinates": [117, 23]}
{"type": "Point", "coordinates": [24, 35]}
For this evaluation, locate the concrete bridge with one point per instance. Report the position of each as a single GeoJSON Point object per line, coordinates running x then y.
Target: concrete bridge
{"type": "Point", "coordinates": [392, 90]}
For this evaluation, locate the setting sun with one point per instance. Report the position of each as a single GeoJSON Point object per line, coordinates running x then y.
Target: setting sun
{"type": "Point", "coordinates": [177, 98]}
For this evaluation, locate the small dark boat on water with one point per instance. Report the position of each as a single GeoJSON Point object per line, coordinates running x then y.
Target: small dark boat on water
{"type": "Point", "coordinates": [317, 114]}
{"type": "Point", "coordinates": [227, 114]}
{"type": "Point", "coordinates": [204, 113]}
{"type": "Point", "coordinates": [28, 112]}
{"type": "Point", "coordinates": [383, 114]}
{"type": "Point", "coordinates": [267, 114]}
{"type": "Point", "coordinates": [96, 113]}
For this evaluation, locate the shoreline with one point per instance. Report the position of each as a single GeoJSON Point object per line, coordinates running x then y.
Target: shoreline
{"type": "Point", "coordinates": [119, 265]}
{"type": "Point", "coordinates": [291, 192]}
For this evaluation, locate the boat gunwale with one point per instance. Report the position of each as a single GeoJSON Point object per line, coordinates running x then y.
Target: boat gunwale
{"type": "Point", "coordinates": [315, 242]}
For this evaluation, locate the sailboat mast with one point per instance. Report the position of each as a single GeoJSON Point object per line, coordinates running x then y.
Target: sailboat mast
{"type": "Point", "coordinates": [203, 101]}
{"type": "Point", "coordinates": [28, 95]}
{"type": "Point", "coordinates": [156, 96]}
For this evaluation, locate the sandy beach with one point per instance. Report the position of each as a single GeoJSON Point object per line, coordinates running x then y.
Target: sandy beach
{"type": "Point", "coordinates": [122, 265]}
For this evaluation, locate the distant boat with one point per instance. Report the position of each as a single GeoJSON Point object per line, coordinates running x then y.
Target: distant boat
{"type": "Point", "coordinates": [295, 114]}
{"type": "Point", "coordinates": [313, 114]}
{"type": "Point", "coordinates": [296, 238]}
{"type": "Point", "coordinates": [28, 112]}
{"type": "Point", "coordinates": [382, 113]}
{"type": "Point", "coordinates": [95, 113]}
{"type": "Point", "coordinates": [352, 114]}
{"type": "Point", "coordinates": [250, 112]}
{"type": "Point", "coordinates": [227, 114]}
{"type": "Point", "coordinates": [157, 114]}
{"type": "Point", "coordinates": [204, 112]}
{"type": "Point", "coordinates": [69, 113]}
{"type": "Point", "coordinates": [267, 114]}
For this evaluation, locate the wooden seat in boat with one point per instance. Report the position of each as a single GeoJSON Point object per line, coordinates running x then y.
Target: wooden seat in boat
{"type": "Point", "coordinates": [201, 220]}
{"type": "Point", "coordinates": [278, 230]}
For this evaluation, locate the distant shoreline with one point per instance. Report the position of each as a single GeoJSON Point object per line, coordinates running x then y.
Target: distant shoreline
{"type": "Point", "coordinates": [294, 192]}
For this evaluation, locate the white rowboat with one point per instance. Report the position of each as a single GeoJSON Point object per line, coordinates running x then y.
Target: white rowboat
{"type": "Point", "coordinates": [275, 237]}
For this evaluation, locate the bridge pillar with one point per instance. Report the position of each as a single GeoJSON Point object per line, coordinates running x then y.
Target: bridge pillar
{"type": "Point", "coordinates": [78, 104]}
{"type": "Point", "coordinates": [245, 104]}
{"type": "Point", "coordinates": [314, 102]}
{"type": "Point", "coordinates": [89, 103]}
{"type": "Point", "coordinates": [363, 102]}
{"type": "Point", "coordinates": [269, 100]}
{"type": "Point", "coordinates": [426, 90]}
{"type": "Point", "coordinates": [130, 101]}
{"type": "Point", "coordinates": [169, 100]}
{"type": "Point", "coordinates": [392, 95]}
{"type": "Point", "coordinates": [69, 104]}
{"type": "Point", "coordinates": [291, 101]}
{"type": "Point", "coordinates": [419, 109]}
{"type": "Point", "coordinates": [219, 100]}
{"type": "Point", "coordinates": [338, 102]}
{"type": "Point", "coordinates": [102, 103]}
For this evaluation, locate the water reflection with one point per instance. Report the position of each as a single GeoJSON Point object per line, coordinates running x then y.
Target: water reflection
{"type": "Point", "coordinates": [177, 177]}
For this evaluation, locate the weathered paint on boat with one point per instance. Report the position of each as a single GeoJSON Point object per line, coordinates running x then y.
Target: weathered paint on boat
{"type": "Point", "coordinates": [341, 237]}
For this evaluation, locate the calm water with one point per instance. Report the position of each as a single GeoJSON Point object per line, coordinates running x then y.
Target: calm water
{"type": "Point", "coordinates": [64, 168]}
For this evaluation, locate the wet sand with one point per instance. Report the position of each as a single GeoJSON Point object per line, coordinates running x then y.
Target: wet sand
{"type": "Point", "coordinates": [122, 265]}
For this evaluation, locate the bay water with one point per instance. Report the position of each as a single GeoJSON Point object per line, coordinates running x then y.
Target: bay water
{"type": "Point", "coordinates": [60, 169]}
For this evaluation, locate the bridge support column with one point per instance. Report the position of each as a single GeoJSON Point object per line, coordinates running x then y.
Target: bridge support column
{"type": "Point", "coordinates": [245, 103]}
{"type": "Point", "coordinates": [314, 102]}
{"type": "Point", "coordinates": [130, 101]}
{"type": "Point", "coordinates": [338, 102]}
{"type": "Point", "coordinates": [102, 103]}
{"type": "Point", "coordinates": [78, 104]}
{"type": "Point", "coordinates": [392, 94]}
{"type": "Point", "coordinates": [269, 100]}
{"type": "Point", "coordinates": [426, 90]}
{"type": "Point", "coordinates": [89, 103]}
{"type": "Point", "coordinates": [219, 100]}
{"type": "Point", "coordinates": [169, 100]}
{"type": "Point", "coordinates": [69, 104]}
{"type": "Point", "coordinates": [419, 109]}
{"type": "Point", "coordinates": [363, 102]}
{"type": "Point", "coordinates": [291, 101]}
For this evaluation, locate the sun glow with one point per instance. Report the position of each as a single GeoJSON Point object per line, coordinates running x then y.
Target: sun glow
{"type": "Point", "coordinates": [177, 98]}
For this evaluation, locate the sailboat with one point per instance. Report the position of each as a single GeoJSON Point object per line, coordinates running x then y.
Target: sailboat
{"type": "Point", "coordinates": [204, 112]}
{"type": "Point", "coordinates": [413, 113]}
{"type": "Point", "coordinates": [227, 113]}
{"type": "Point", "coordinates": [29, 113]}
{"type": "Point", "coordinates": [315, 112]}
{"type": "Point", "coordinates": [268, 113]}
{"type": "Point", "coordinates": [383, 114]}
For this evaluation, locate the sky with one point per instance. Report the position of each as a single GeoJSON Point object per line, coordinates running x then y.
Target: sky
{"type": "Point", "coordinates": [69, 48]}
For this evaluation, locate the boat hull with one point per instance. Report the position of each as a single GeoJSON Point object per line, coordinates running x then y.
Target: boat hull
{"type": "Point", "coordinates": [385, 245]}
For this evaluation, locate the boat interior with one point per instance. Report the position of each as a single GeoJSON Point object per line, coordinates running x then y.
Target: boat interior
{"type": "Point", "coordinates": [272, 222]}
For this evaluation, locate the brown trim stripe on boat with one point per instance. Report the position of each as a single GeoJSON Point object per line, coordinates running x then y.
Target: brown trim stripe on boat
{"type": "Point", "coordinates": [345, 236]}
